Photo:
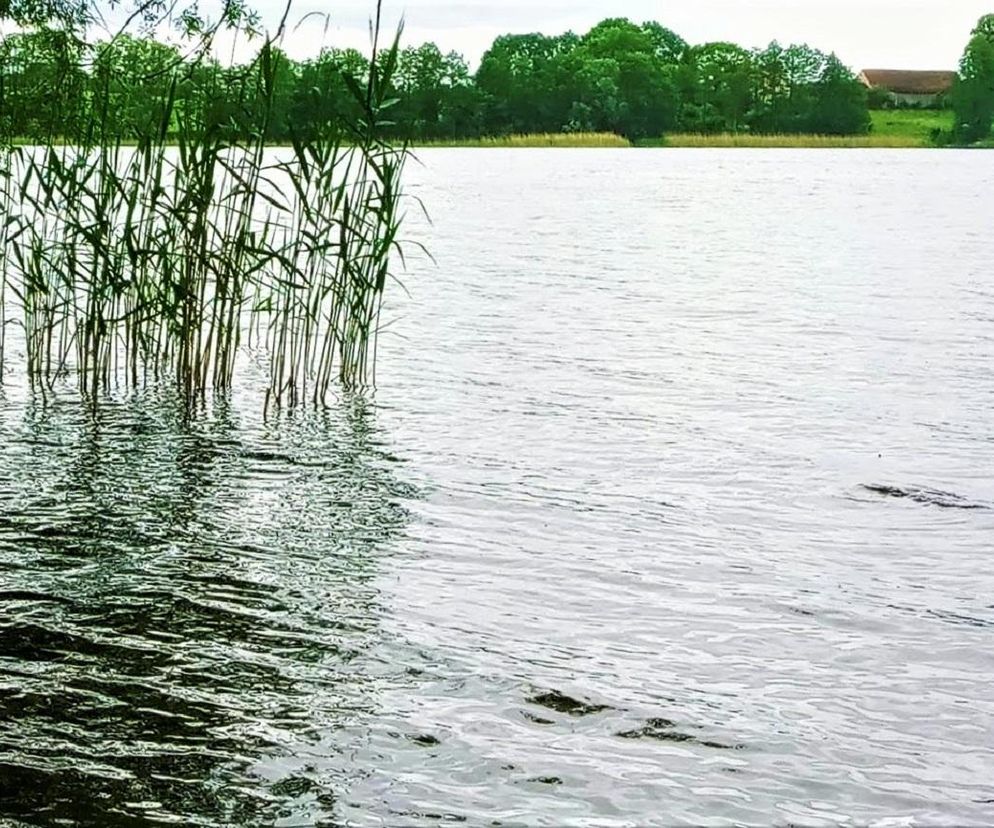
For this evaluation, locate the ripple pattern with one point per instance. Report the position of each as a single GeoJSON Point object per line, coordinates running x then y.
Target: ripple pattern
{"type": "Point", "coordinates": [673, 507]}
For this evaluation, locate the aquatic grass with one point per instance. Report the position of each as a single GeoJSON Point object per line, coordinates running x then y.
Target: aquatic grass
{"type": "Point", "coordinates": [750, 141]}
{"type": "Point", "coordinates": [152, 256]}
{"type": "Point", "coordinates": [539, 140]}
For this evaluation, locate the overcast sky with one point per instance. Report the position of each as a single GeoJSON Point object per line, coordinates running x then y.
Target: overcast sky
{"type": "Point", "coordinates": [899, 34]}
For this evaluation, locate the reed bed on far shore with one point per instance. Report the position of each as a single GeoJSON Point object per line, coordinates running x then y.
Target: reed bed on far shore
{"type": "Point", "coordinates": [564, 140]}
{"type": "Point", "coordinates": [746, 141]}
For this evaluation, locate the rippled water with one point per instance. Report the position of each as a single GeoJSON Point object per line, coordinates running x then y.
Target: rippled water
{"type": "Point", "coordinates": [675, 505]}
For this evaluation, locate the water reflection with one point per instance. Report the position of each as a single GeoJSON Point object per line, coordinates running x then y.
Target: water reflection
{"type": "Point", "coordinates": [181, 596]}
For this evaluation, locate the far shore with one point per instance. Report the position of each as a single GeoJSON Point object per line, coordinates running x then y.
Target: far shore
{"type": "Point", "coordinates": [718, 141]}
{"type": "Point", "coordinates": [890, 129]}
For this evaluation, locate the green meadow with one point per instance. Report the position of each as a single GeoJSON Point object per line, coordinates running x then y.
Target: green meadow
{"type": "Point", "coordinates": [915, 124]}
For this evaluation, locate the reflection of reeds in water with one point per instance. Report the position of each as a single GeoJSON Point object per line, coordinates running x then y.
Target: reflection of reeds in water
{"type": "Point", "coordinates": [214, 576]}
{"type": "Point", "coordinates": [129, 263]}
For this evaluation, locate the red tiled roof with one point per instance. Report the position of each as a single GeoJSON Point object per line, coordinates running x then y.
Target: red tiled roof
{"type": "Point", "coordinates": [910, 83]}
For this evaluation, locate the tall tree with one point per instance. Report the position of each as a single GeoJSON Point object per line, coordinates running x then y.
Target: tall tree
{"type": "Point", "coordinates": [434, 93]}
{"type": "Point", "coordinates": [131, 81]}
{"type": "Point", "coordinates": [717, 84]}
{"type": "Point", "coordinates": [323, 99]}
{"type": "Point", "coordinates": [668, 46]}
{"type": "Point", "coordinates": [985, 27]}
{"type": "Point", "coordinates": [193, 17]}
{"type": "Point", "coordinates": [42, 84]}
{"type": "Point", "coordinates": [973, 92]}
{"type": "Point", "coordinates": [839, 102]}
{"type": "Point", "coordinates": [784, 87]}
{"type": "Point", "coordinates": [635, 84]}
{"type": "Point", "coordinates": [517, 79]}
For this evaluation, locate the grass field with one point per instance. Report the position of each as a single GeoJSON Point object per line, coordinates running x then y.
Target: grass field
{"type": "Point", "coordinates": [910, 123]}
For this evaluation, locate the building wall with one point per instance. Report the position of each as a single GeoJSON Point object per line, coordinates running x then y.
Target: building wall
{"type": "Point", "coordinates": [914, 100]}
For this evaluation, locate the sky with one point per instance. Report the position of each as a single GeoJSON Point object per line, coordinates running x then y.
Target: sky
{"type": "Point", "coordinates": [881, 34]}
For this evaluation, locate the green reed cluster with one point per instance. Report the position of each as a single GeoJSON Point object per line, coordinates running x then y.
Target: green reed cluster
{"type": "Point", "coordinates": [168, 255]}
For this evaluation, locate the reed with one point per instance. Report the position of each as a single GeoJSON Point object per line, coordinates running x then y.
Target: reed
{"type": "Point", "coordinates": [729, 140]}
{"type": "Point", "coordinates": [164, 254]}
{"type": "Point", "coordinates": [538, 140]}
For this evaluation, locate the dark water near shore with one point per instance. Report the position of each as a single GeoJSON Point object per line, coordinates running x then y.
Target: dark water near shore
{"type": "Point", "coordinates": [675, 506]}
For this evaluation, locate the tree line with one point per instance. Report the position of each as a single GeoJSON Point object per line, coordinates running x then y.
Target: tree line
{"type": "Point", "coordinates": [973, 92]}
{"type": "Point", "coordinates": [634, 80]}
{"type": "Point", "coordinates": [639, 81]}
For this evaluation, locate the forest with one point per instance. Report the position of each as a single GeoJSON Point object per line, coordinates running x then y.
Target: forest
{"type": "Point", "coordinates": [636, 81]}
{"type": "Point", "coordinates": [633, 80]}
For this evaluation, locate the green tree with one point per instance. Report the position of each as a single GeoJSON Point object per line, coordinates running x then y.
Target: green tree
{"type": "Point", "coordinates": [323, 100]}
{"type": "Point", "coordinates": [42, 84]}
{"type": "Point", "coordinates": [973, 92]}
{"type": "Point", "coordinates": [460, 110]}
{"type": "Point", "coordinates": [839, 106]}
{"type": "Point", "coordinates": [131, 81]}
{"type": "Point", "coordinates": [644, 95]}
{"type": "Point", "coordinates": [772, 91]}
{"type": "Point", "coordinates": [436, 94]}
{"type": "Point", "coordinates": [596, 103]}
{"type": "Point", "coordinates": [622, 84]}
{"type": "Point", "coordinates": [519, 81]}
{"type": "Point", "coordinates": [668, 46]}
{"type": "Point", "coordinates": [784, 88]}
{"type": "Point", "coordinates": [717, 87]}
{"type": "Point", "coordinates": [985, 27]}
{"type": "Point", "coordinates": [194, 18]}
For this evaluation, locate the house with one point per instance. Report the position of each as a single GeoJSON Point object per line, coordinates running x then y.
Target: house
{"type": "Point", "coordinates": [909, 88]}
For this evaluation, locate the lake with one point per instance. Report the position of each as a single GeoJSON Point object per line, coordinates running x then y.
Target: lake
{"type": "Point", "coordinates": [674, 505]}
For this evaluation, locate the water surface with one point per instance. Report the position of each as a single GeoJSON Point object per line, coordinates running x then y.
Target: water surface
{"type": "Point", "coordinates": [674, 506]}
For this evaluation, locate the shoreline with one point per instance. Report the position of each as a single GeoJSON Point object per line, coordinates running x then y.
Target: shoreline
{"type": "Point", "coordinates": [690, 141]}
{"type": "Point", "coordinates": [720, 141]}
{"type": "Point", "coordinates": [891, 129]}
{"type": "Point", "coordinates": [745, 141]}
